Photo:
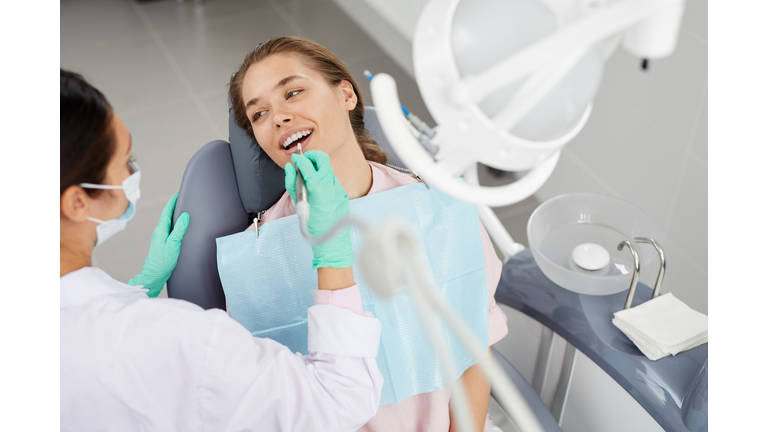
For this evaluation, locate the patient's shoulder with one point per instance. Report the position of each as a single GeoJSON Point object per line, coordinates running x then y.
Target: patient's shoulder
{"type": "Point", "coordinates": [282, 208]}
{"type": "Point", "coordinates": [386, 178]}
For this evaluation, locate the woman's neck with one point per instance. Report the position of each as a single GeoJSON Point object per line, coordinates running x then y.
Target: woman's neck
{"type": "Point", "coordinates": [353, 171]}
{"type": "Point", "coordinates": [74, 251]}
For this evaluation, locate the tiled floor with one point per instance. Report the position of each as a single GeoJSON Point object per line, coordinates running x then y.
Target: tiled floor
{"type": "Point", "coordinates": [164, 66]}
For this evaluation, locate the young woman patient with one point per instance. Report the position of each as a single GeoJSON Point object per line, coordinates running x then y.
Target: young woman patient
{"type": "Point", "coordinates": [291, 90]}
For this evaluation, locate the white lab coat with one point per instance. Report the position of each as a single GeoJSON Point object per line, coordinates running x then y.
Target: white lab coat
{"type": "Point", "coordinates": [137, 364]}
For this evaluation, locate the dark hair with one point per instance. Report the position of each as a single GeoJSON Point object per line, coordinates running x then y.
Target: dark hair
{"type": "Point", "coordinates": [87, 140]}
{"type": "Point", "coordinates": [321, 60]}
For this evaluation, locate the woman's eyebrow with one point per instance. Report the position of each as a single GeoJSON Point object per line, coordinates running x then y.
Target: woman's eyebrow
{"type": "Point", "coordinates": [282, 83]}
{"type": "Point", "coordinates": [285, 81]}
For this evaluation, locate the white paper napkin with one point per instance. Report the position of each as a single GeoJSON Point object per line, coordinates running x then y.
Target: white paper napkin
{"type": "Point", "coordinates": [663, 326]}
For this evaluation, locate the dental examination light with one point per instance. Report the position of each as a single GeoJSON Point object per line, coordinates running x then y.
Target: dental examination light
{"type": "Point", "coordinates": [510, 82]}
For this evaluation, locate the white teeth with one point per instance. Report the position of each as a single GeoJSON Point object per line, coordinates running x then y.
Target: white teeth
{"type": "Point", "coordinates": [295, 136]}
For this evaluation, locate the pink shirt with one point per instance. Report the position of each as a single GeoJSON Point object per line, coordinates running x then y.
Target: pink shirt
{"type": "Point", "coordinates": [426, 411]}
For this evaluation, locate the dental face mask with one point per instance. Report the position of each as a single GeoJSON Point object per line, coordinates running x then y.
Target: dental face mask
{"type": "Point", "coordinates": [130, 187]}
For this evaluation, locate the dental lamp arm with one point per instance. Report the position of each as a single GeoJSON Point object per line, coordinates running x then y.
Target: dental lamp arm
{"type": "Point", "coordinates": [384, 92]}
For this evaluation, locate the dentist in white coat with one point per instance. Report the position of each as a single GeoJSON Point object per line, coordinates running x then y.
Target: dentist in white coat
{"type": "Point", "coordinates": [134, 363]}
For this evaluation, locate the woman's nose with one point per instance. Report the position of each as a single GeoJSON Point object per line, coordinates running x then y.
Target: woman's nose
{"type": "Point", "coordinates": [282, 118]}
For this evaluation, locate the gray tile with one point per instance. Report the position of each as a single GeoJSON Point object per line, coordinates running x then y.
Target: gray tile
{"type": "Point", "coordinates": [123, 255]}
{"type": "Point", "coordinates": [695, 18]}
{"type": "Point", "coordinates": [631, 155]}
{"type": "Point", "coordinates": [165, 15]}
{"type": "Point", "coordinates": [570, 177]}
{"type": "Point", "coordinates": [93, 24]}
{"type": "Point", "coordinates": [215, 104]}
{"type": "Point", "coordinates": [407, 89]}
{"type": "Point", "coordinates": [329, 26]}
{"type": "Point", "coordinates": [132, 74]}
{"type": "Point", "coordinates": [685, 281]}
{"type": "Point", "coordinates": [524, 208]}
{"type": "Point", "coordinates": [209, 54]}
{"type": "Point", "coordinates": [701, 135]}
{"type": "Point", "coordinates": [163, 143]}
{"type": "Point", "coordinates": [517, 225]}
{"type": "Point", "coordinates": [669, 92]}
{"type": "Point", "coordinates": [291, 4]}
{"type": "Point", "coordinates": [689, 223]}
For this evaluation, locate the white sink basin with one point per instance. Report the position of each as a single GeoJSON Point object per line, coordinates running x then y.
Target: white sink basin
{"type": "Point", "coordinates": [560, 224]}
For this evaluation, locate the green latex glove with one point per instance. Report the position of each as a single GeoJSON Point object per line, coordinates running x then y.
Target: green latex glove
{"type": "Point", "coordinates": [163, 250]}
{"type": "Point", "coordinates": [327, 204]}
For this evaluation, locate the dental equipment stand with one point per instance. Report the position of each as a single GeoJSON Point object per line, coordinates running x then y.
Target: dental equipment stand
{"type": "Point", "coordinates": [454, 91]}
{"type": "Point", "coordinates": [665, 388]}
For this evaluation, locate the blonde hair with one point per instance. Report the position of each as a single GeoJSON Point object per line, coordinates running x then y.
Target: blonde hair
{"type": "Point", "coordinates": [321, 60]}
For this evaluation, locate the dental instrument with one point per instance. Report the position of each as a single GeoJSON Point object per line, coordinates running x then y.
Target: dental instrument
{"type": "Point", "coordinates": [302, 201]}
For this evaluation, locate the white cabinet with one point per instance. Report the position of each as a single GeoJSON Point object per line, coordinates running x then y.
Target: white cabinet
{"type": "Point", "coordinates": [595, 402]}
{"type": "Point", "coordinates": [582, 396]}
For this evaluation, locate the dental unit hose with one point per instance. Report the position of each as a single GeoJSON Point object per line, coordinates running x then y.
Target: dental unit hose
{"type": "Point", "coordinates": [425, 133]}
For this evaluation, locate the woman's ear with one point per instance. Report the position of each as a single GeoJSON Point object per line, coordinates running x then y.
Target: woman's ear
{"type": "Point", "coordinates": [348, 92]}
{"type": "Point", "coordinates": [75, 204]}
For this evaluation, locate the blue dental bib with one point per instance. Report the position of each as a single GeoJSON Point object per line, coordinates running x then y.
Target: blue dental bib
{"type": "Point", "coordinates": [268, 281]}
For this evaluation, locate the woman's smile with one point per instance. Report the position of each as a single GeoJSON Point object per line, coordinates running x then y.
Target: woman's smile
{"type": "Point", "coordinates": [290, 145]}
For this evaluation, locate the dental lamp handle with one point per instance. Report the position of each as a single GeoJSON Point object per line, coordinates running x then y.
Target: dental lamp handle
{"type": "Point", "coordinates": [416, 158]}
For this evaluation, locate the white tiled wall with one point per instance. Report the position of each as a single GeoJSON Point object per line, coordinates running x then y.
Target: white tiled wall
{"type": "Point", "coordinates": [646, 142]}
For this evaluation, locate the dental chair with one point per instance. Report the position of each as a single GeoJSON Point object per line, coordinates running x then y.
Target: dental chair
{"type": "Point", "coordinates": [224, 187]}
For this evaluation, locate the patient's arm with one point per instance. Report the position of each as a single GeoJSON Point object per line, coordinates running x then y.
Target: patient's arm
{"type": "Point", "coordinates": [479, 394]}
{"type": "Point", "coordinates": [331, 278]}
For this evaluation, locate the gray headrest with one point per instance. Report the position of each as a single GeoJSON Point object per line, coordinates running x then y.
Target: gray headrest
{"type": "Point", "coordinates": [259, 180]}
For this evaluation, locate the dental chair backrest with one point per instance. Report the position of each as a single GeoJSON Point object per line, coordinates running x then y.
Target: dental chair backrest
{"type": "Point", "coordinates": [224, 186]}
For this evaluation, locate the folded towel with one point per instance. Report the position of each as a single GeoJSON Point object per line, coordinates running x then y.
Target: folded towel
{"type": "Point", "coordinates": [663, 326]}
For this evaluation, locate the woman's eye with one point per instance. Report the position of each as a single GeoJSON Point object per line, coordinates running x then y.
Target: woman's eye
{"type": "Point", "coordinates": [258, 115]}
{"type": "Point", "coordinates": [292, 94]}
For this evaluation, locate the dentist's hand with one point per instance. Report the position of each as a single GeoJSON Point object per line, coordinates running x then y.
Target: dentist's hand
{"type": "Point", "coordinates": [327, 204]}
{"type": "Point", "coordinates": [163, 250]}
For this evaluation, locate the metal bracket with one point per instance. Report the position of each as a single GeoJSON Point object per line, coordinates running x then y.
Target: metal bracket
{"type": "Point", "coordinates": [635, 273]}
{"type": "Point", "coordinates": [662, 259]}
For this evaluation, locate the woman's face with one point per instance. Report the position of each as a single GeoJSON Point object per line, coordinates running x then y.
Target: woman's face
{"type": "Point", "coordinates": [288, 102]}
{"type": "Point", "coordinates": [111, 204]}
